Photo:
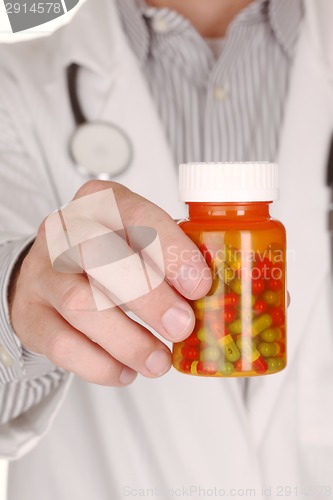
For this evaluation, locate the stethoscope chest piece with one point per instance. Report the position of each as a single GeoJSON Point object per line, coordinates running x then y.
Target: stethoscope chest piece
{"type": "Point", "coordinates": [100, 149]}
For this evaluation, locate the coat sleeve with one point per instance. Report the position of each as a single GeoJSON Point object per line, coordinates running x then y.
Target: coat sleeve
{"type": "Point", "coordinates": [31, 388]}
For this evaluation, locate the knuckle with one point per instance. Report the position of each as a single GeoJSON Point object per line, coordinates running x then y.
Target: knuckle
{"type": "Point", "coordinates": [76, 297]}
{"type": "Point", "coordinates": [61, 348]}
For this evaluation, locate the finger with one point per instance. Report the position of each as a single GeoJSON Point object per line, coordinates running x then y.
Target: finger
{"type": "Point", "coordinates": [185, 267]}
{"type": "Point", "coordinates": [67, 348]}
{"type": "Point", "coordinates": [124, 339]}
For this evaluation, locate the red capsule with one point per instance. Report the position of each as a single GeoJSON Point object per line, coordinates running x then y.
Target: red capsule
{"type": "Point", "coordinates": [206, 367]}
{"type": "Point", "coordinates": [274, 285]}
{"type": "Point", "coordinates": [262, 268]}
{"type": "Point", "coordinates": [231, 299]}
{"type": "Point", "coordinates": [185, 365]}
{"type": "Point", "coordinates": [192, 340]}
{"type": "Point", "coordinates": [229, 314]}
{"type": "Point", "coordinates": [190, 352]}
{"type": "Point", "coordinates": [258, 286]}
{"type": "Point", "coordinates": [282, 346]}
{"type": "Point", "coordinates": [206, 254]}
{"type": "Point", "coordinates": [259, 365]}
{"type": "Point", "coordinates": [238, 365]}
{"type": "Point", "coordinates": [260, 306]}
{"type": "Point", "coordinates": [277, 316]}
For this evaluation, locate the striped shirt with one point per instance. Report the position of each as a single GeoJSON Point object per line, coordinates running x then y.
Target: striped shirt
{"type": "Point", "coordinates": [227, 107]}
{"type": "Point", "coordinates": [224, 109]}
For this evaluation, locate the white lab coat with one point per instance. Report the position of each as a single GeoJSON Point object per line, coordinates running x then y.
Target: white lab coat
{"type": "Point", "coordinates": [176, 431]}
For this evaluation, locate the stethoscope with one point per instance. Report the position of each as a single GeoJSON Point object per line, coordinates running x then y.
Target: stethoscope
{"type": "Point", "coordinates": [99, 149]}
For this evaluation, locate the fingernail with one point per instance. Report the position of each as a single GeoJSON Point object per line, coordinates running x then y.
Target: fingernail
{"type": "Point", "coordinates": [127, 376]}
{"type": "Point", "coordinates": [176, 321]}
{"type": "Point", "coordinates": [189, 278]}
{"type": "Point", "coordinates": [158, 362]}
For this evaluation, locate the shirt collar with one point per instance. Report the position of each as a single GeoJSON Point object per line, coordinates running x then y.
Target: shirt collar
{"type": "Point", "coordinates": [138, 18]}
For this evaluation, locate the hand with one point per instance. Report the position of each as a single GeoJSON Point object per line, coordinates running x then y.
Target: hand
{"type": "Point", "coordinates": [54, 313]}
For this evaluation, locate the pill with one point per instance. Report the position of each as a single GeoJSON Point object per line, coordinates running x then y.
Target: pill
{"type": "Point", "coordinates": [277, 316]}
{"type": "Point", "coordinates": [231, 299]}
{"type": "Point", "coordinates": [258, 362]}
{"type": "Point", "coordinates": [261, 323]}
{"type": "Point", "coordinates": [185, 365]}
{"type": "Point", "coordinates": [218, 328]}
{"type": "Point", "coordinates": [206, 254]}
{"type": "Point", "coordinates": [275, 364]}
{"type": "Point", "coordinates": [192, 340]}
{"type": "Point", "coordinates": [260, 306]}
{"type": "Point", "coordinates": [203, 368]}
{"type": "Point", "coordinates": [268, 349]}
{"type": "Point", "coordinates": [230, 350]}
{"type": "Point", "coordinates": [270, 297]}
{"type": "Point", "coordinates": [258, 286]}
{"type": "Point", "coordinates": [236, 286]}
{"type": "Point", "coordinates": [206, 336]}
{"type": "Point", "coordinates": [210, 353]}
{"type": "Point", "coordinates": [262, 268]}
{"type": "Point", "coordinates": [232, 257]}
{"type": "Point", "coordinates": [226, 367]}
{"type": "Point", "coordinates": [271, 334]}
{"type": "Point", "coordinates": [215, 302]}
{"type": "Point", "coordinates": [274, 284]}
{"type": "Point", "coordinates": [190, 352]}
{"type": "Point", "coordinates": [244, 343]}
{"type": "Point", "coordinates": [228, 275]}
{"type": "Point", "coordinates": [229, 314]}
{"type": "Point", "coordinates": [236, 326]}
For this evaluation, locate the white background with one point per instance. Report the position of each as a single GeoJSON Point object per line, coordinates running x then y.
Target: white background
{"type": "Point", "coordinates": [7, 36]}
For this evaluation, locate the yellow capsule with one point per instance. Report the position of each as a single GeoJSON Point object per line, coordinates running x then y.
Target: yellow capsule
{"type": "Point", "coordinates": [236, 326]}
{"type": "Point", "coordinates": [230, 350]}
{"type": "Point", "coordinates": [271, 298]}
{"type": "Point", "coordinates": [271, 334]}
{"type": "Point", "coordinates": [226, 367]}
{"type": "Point", "coordinates": [269, 349]}
{"type": "Point", "coordinates": [210, 353]}
{"type": "Point", "coordinates": [275, 364]}
{"type": "Point", "coordinates": [228, 275]}
{"type": "Point", "coordinates": [205, 335]}
{"type": "Point", "coordinates": [236, 286]}
{"type": "Point", "coordinates": [232, 257]}
{"type": "Point", "coordinates": [208, 303]}
{"type": "Point", "coordinates": [246, 344]}
{"type": "Point", "coordinates": [261, 323]}
{"type": "Point", "coordinates": [194, 365]}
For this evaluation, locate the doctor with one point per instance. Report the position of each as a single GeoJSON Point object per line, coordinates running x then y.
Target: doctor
{"type": "Point", "coordinates": [175, 435]}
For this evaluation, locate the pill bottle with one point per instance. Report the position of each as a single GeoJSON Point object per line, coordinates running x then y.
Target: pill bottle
{"type": "Point", "coordinates": [240, 328]}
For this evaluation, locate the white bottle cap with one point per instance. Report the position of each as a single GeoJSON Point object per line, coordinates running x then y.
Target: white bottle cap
{"type": "Point", "coordinates": [228, 182]}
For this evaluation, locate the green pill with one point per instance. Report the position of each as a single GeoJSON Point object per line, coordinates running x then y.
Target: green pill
{"type": "Point", "coordinates": [271, 334]}
{"type": "Point", "coordinates": [261, 323]}
{"type": "Point", "coordinates": [268, 349]}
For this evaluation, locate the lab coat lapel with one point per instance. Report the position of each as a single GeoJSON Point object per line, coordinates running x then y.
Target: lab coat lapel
{"type": "Point", "coordinates": [154, 173]}
{"type": "Point", "coordinates": [307, 130]}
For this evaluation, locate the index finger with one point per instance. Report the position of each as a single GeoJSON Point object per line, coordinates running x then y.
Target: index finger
{"type": "Point", "coordinates": [184, 266]}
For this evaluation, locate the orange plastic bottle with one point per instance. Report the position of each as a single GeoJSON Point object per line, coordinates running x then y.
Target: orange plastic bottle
{"type": "Point", "coordinates": [241, 324]}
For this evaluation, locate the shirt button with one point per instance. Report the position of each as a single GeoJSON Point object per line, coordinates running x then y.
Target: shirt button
{"type": "Point", "coordinates": [5, 358]}
{"type": "Point", "coordinates": [220, 93]}
{"type": "Point", "coordinates": [160, 25]}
